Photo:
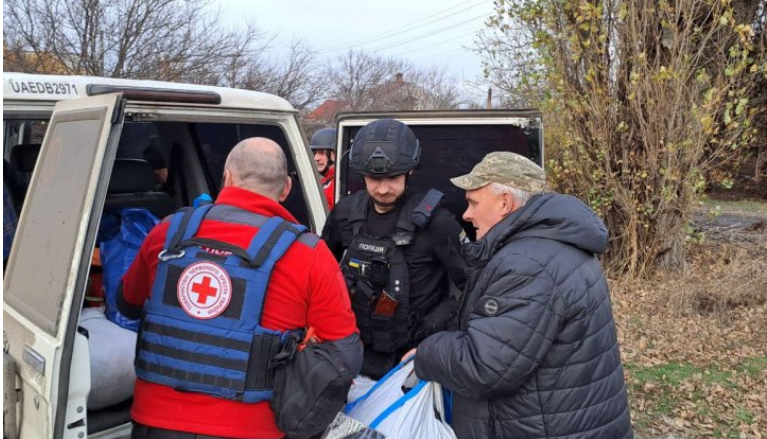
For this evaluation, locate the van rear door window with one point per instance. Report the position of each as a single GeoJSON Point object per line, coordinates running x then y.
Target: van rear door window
{"type": "Point", "coordinates": [450, 151]}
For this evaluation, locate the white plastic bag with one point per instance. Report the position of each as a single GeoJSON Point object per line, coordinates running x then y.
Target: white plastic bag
{"type": "Point", "coordinates": [399, 415]}
{"type": "Point", "coordinates": [382, 395]}
{"type": "Point", "coordinates": [360, 386]}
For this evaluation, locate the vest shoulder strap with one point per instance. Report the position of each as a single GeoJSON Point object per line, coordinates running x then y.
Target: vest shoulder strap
{"type": "Point", "coordinates": [272, 241]}
{"type": "Point", "coordinates": [184, 224]}
{"type": "Point", "coordinates": [358, 212]}
{"type": "Point", "coordinates": [421, 215]}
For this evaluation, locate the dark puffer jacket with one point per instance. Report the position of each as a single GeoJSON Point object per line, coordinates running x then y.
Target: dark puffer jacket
{"type": "Point", "coordinates": [536, 354]}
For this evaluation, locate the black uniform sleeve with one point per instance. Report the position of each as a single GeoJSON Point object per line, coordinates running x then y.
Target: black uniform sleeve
{"type": "Point", "coordinates": [447, 248]}
{"type": "Point", "coordinates": [445, 235]}
{"type": "Point", "coordinates": [331, 234]}
{"type": "Point", "coordinates": [350, 350]}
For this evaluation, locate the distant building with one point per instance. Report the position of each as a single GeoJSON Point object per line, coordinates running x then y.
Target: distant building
{"type": "Point", "coordinates": [323, 116]}
{"type": "Point", "coordinates": [393, 95]}
{"type": "Point", "coordinates": [398, 95]}
{"type": "Point", "coordinates": [16, 60]}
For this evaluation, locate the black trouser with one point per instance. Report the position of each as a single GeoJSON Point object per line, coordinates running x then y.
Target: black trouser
{"type": "Point", "coordinates": [145, 432]}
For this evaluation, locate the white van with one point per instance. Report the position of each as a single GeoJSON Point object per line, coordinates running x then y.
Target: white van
{"type": "Point", "coordinates": [97, 145]}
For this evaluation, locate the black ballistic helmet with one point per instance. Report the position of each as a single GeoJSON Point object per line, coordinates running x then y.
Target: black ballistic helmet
{"type": "Point", "coordinates": [384, 148]}
{"type": "Point", "coordinates": [323, 139]}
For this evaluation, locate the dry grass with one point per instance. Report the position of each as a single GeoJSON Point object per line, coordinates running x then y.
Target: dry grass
{"type": "Point", "coordinates": [695, 344]}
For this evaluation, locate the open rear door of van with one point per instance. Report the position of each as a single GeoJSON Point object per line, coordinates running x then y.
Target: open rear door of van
{"type": "Point", "coordinates": [452, 142]}
{"type": "Point", "coordinates": [45, 280]}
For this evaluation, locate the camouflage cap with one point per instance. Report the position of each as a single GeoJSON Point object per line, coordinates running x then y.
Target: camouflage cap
{"type": "Point", "coordinates": [505, 168]}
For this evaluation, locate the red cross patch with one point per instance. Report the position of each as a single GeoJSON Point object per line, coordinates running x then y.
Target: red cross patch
{"type": "Point", "coordinates": [204, 290]}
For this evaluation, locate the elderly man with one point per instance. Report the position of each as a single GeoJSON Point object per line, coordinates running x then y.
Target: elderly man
{"type": "Point", "coordinates": [223, 289]}
{"type": "Point", "coordinates": [536, 354]}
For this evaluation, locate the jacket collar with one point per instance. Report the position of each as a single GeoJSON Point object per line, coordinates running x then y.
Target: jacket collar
{"type": "Point", "coordinates": [253, 202]}
{"type": "Point", "coordinates": [477, 253]}
{"type": "Point", "coordinates": [330, 172]}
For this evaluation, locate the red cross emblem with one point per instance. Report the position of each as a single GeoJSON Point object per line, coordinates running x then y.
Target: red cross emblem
{"type": "Point", "coordinates": [204, 290]}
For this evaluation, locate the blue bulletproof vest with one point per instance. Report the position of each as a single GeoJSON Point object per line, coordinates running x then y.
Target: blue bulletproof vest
{"type": "Point", "coordinates": [201, 331]}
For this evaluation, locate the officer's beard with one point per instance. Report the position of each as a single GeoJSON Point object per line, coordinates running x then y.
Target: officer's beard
{"type": "Point", "coordinates": [388, 206]}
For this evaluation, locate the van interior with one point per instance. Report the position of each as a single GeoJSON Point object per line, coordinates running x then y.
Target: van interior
{"type": "Point", "coordinates": [160, 166]}
{"type": "Point", "coordinates": [187, 160]}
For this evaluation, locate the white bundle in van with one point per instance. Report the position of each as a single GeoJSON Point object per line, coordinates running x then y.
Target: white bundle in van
{"type": "Point", "coordinates": [112, 350]}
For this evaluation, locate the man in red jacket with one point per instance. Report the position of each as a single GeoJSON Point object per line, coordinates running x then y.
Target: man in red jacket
{"type": "Point", "coordinates": [220, 293]}
{"type": "Point", "coordinates": [323, 145]}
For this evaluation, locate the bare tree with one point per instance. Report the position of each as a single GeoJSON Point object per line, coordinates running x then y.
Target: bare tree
{"type": "Point", "coordinates": [176, 40]}
{"type": "Point", "coordinates": [370, 82]}
{"type": "Point", "coordinates": [439, 90]}
{"type": "Point", "coordinates": [299, 79]}
{"type": "Point", "coordinates": [511, 64]}
{"type": "Point", "coordinates": [356, 75]}
{"type": "Point", "coordinates": [171, 40]}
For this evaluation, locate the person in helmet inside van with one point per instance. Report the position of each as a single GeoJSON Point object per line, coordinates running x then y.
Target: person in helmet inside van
{"type": "Point", "coordinates": [323, 146]}
{"type": "Point", "coordinates": [400, 253]}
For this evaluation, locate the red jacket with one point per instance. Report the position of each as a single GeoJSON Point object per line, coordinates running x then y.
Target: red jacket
{"type": "Point", "coordinates": [329, 186]}
{"type": "Point", "coordinates": [306, 289]}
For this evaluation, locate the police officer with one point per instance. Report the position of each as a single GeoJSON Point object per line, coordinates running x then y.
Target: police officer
{"type": "Point", "coordinates": [224, 291]}
{"type": "Point", "coordinates": [399, 252]}
{"type": "Point", "coordinates": [323, 145]}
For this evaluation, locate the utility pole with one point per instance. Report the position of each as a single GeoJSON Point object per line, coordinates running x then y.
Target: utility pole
{"type": "Point", "coordinates": [489, 104]}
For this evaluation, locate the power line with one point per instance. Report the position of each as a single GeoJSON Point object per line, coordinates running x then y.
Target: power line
{"type": "Point", "coordinates": [407, 28]}
{"type": "Point", "coordinates": [412, 39]}
{"type": "Point", "coordinates": [435, 44]}
{"type": "Point", "coordinates": [446, 55]}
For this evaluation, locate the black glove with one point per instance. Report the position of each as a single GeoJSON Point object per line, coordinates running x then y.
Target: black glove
{"type": "Point", "coordinates": [437, 320]}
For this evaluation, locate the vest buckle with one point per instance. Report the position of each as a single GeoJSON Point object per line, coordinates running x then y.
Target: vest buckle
{"type": "Point", "coordinates": [167, 255]}
{"type": "Point", "coordinates": [288, 351]}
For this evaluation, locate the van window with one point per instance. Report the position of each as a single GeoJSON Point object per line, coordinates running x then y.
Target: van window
{"type": "Point", "coordinates": [19, 131]}
{"type": "Point", "coordinates": [216, 140]}
{"type": "Point", "coordinates": [140, 140]}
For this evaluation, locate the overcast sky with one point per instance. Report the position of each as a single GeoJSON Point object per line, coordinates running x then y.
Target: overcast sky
{"type": "Point", "coordinates": [425, 32]}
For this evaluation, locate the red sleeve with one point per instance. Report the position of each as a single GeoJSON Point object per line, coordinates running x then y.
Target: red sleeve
{"type": "Point", "coordinates": [330, 310]}
{"type": "Point", "coordinates": [330, 194]}
{"type": "Point", "coordinates": [138, 280]}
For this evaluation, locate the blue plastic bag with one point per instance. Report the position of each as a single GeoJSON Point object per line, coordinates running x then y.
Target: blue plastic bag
{"type": "Point", "coordinates": [447, 396]}
{"type": "Point", "coordinates": [121, 236]}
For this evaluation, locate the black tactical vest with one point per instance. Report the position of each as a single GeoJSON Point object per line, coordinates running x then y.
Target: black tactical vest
{"type": "Point", "coordinates": [377, 277]}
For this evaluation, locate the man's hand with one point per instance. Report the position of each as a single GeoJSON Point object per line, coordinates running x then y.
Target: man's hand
{"type": "Point", "coordinates": [437, 320]}
{"type": "Point", "coordinates": [408, 355]}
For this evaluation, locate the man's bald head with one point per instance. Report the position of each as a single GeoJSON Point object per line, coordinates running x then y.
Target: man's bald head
{"type": "Point", "coordinates": [258, 164]}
